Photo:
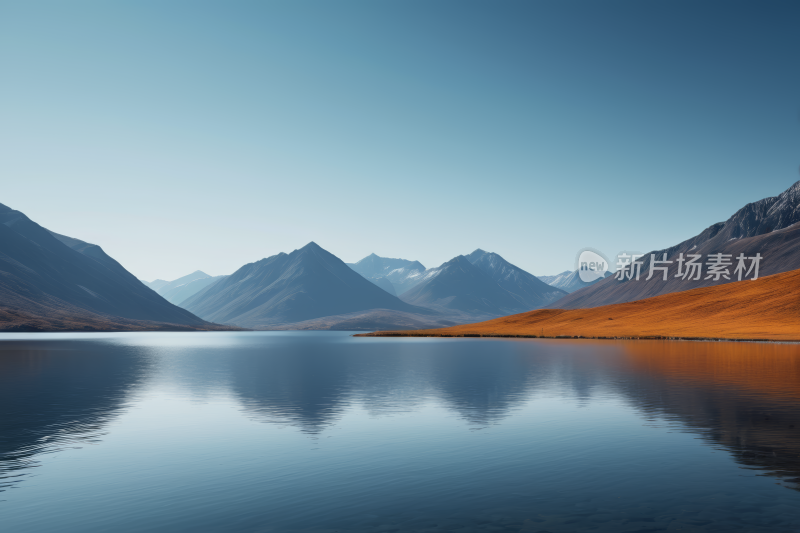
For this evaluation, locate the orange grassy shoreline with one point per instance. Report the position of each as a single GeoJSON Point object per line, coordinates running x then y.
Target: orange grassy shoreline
{"type": "Point", "coordinates": [764, 310]}
{"type": "Point", "coordinates": [499, 336]}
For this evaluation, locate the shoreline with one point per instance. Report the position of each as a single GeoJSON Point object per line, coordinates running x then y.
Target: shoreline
{"type": "Point", "coordinates": [576, 337]}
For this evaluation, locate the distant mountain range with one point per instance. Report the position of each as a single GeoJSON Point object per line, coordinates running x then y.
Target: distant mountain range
{"type": "Point", "coordinates": [569, 281]}
{"type": "Point", "coordinates": [159, 284]}
{"type": "Point", "coordinates": [50, 281]}
{"type": "Point", "coordinates": [769, 227]}
{"type": "Point", "coordinates": [177, 291]}
{"type": "Point", "coordinates": [477, 285]}
{"type": "Point", "coordinates": [311, 288]}
{"type": "Point", "coordinates": [402, 274]}
{"type": "Point", "coordinates": [551, 280]}
{"type": "Point", "coordinates": [309, 283]}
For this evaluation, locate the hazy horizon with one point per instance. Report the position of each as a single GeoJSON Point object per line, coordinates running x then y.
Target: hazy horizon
{"type": "Point", "coordinates": [204, 136]}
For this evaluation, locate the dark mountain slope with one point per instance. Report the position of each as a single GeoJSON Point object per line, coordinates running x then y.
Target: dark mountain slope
{"type": "Point", "coordinates": [43, 273]}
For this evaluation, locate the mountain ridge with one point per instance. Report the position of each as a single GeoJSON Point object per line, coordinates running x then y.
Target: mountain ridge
{"type": "Point", "coordinates": [768, 226]}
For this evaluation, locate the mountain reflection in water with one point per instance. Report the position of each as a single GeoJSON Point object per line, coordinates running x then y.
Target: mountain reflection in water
{"type": "Point", "coordinates": [57, 396]}
{"type": "Point", "coordinates": [63, 392]}
{"type": "Point", "coordinates": [311, 388]}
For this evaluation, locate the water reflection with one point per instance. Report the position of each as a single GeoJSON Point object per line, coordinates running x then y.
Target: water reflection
{"type": "Point", "coordinates": [310, 384]}
{"type": "Point", "coordinates": [744, 398]}
{"type": "Point", "coordinates": [306, 384]}
{"type": "Point", "coordinates": [485, 382]}
{"type": "Point", "coordinates": [54, 397]}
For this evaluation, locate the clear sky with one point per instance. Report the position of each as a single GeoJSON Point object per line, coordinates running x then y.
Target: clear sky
{"type": "Point", "coordinates": [206, 135]}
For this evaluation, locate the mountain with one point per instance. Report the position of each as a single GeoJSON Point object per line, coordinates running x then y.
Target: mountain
{"type": "Point", "coordinates": [309, 283]}
{"type": "Point", "coordinates": [178, 295]}
{"type": "Point", "coordinates": [161, 286]}
{"type": "Point", "coordinates": [384, 284]}
{"type": "Point", "coordinates": [765, 309]}
{"type": "Point", "coordinates": [374, 266]}
{"type": "Point", "coordinates": [550, 280]}
{"type": "Point", "coordinates": [177, 291]}
{"type": "Point", "coordinates": [406, 278]}
{"type": "Point", "coordinates": [460, 286]}
{"type": "Point", "coordinates": [401, 273]}
{"type": "Point", "coordinates": [569, 281]}
{"type": "Point", "coordinates": [51, 281]}
{"type": "Point", "coordinates": [529, 290]}
{"type": "Point", "coordinates": [155, 284]}
{"type": "Point", "coordinates": [768, 227]}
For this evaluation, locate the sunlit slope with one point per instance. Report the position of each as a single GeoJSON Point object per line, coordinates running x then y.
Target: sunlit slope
{"type": "Point", "coordinates": [767, 308]}
{"type": "Point", "coordinates": [770, 227]}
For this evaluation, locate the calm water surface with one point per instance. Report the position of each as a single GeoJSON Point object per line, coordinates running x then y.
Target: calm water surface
{"type": "Point", "coordinates": [323, 432]}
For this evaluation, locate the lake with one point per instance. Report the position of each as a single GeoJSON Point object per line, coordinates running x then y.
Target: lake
{"type": "Point", "coordinates": [324, 432]}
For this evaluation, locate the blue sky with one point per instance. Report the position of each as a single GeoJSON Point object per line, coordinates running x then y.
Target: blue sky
{"type": "Point", "coordinates": [206, 135]}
